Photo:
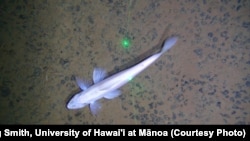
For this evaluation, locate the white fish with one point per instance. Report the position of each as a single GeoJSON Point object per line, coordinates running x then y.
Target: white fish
{"type": "Point", "coordinates": [108, 87]}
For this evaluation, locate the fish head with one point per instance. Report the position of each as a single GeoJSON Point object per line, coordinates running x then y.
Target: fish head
{"type": "Point", "coordinates": [76, 103]}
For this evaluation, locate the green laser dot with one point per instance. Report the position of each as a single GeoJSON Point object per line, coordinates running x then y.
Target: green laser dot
{"type": "Point", "coordinates": [125, 43]}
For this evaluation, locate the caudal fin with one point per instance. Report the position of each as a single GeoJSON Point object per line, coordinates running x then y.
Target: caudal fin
{"type": "Point", "coordinates": [168, 44]}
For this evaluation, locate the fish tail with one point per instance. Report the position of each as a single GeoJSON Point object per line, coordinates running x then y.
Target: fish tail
{"type": "Point", "coordinates": [169, 43]}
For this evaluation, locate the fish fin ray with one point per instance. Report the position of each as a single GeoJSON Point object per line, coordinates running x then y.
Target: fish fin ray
{"type": "Point", "coordinates": [84, 85]}
{"type": "Point", "coordinates": [99, 74]}
{"type": "Point", "coordinates": [112, 94]}
{"type": "Point", "coordinates": [95, 107]}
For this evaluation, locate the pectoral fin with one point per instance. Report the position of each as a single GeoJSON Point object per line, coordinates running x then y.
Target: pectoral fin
{"type": "Point", "coordinates": [113, 94]}
{"type": "Point", "coordinates": [99, 74]}
{"type": "Point", "coordinates": [95, 107]}
{"type": "Point", "coordinates": [82, 84]}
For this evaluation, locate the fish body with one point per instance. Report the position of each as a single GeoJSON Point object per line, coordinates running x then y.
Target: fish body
{"type": "Point", "coordinates": [107, 87]}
